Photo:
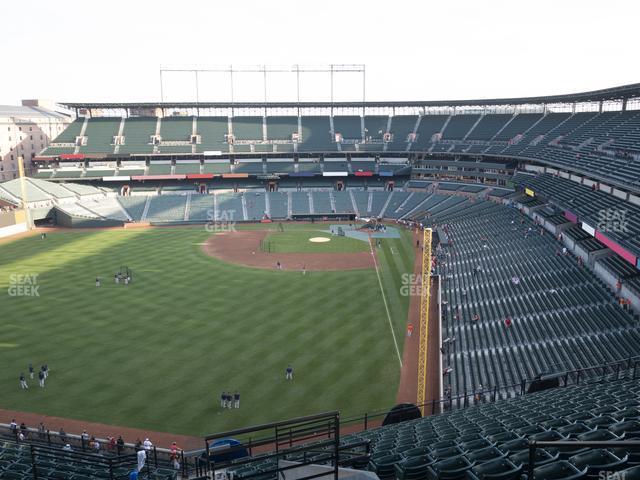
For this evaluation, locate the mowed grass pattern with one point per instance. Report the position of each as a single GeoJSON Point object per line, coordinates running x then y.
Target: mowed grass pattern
{"type": "Point", "coordinates": [299, 241]}
{"type": "Point", "coordinates": [156, 354]}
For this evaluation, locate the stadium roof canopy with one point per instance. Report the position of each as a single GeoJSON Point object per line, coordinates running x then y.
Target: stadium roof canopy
{"type": "Point", "coordinates": [623, 93]}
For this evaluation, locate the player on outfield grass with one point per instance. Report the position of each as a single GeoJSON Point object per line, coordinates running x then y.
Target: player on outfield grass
{"type": "Point", "coordinates": [41, 378]}
{"type": "Point", "coordinates": [31, 371]}
{"type": "Point", "coordinates": [236, 400]}
{"type": "Point", "coordinates": [23, 382]}
{"type": "Point", "coordinates": [289, 373]}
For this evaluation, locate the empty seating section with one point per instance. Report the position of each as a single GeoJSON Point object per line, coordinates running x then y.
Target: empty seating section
{"type": "Point", "coordinates": [281, 128]}
{"type": "Point", "coordinates": [616, 218]}
{"type": "Point", "coordinates": [216, 168]}
{"type": "Point", "coordinates": [401, 127]}
{"type": "Point", "coordinates": [520, 124]}
{"type": "Point", "coordinates": [321, 203]}
{"type": "Point", "coordinates": [100, 132]}
{"type": "Point", "coordinates": [331, 166]}
{"type": "Point", "coordinates": [137, 135]}
{"type": "Point", "coordinates": [97, 172]}
{"type": "Point", "coordinates": [316, 135]}
{"type": "Point", "coordinates": [68, 135]}
{"type": "Point", "coordinates": [255, 168]}
{"type": "Point", "coordinates": [309, 166]}
{"type": "Point", "coordinates": [362, 202]}
{"type": "Point", "coordinates": [187, 168]}
{"type": "Point", "coordinates": [159, 169]}
{"type": "Point", "coordinates": [343, 202]}
{"type": "Point", "coordinates": [378, 200]}
{"type": "Point", "coordinates": [167, 208]}
{"type": "Point", "coordinates": [459, 126]}
{"type": "Point", "coordinates": [605, 145]}
{"type": "Point", "coordinates": [300, 203]}
{"type": "Point", "coordinates": [176, 129]}
{"type": "Point", "coordinates": [488, 126]}
{"type": "Point", "coordinates": [229, 207]}
{"type": "Point", "coordinates": [212, 131]}
{"type": "Point", "coordinates": [201, 208]}
{"type": "Point", "coordinates": [563, 318]}
{"type": "Point", "coordinates": [429, 126]}
{"type": "Point", "coordinates": [255, 202]}
{"type": "Point", "coordinates": [280, 167]}
{"type": "Point", "coordinates": [398, 209]}
{"type": "Point", "coordinates": [363, 166]}
{"type": "Point", "coordinates": [375, 127]}
{"type": "Point", "coordinates": [397, 199]}
{"type": "Point", "coordinates": [134, 206]}
{"type": "Point", "coordinates": [491, 440]}
{"type": "Point", "coordinates": [278, 203]}
{"type": "Point", "coordinates": [247, 128]}
{"type": "Point", "coordinates": [349, 127]}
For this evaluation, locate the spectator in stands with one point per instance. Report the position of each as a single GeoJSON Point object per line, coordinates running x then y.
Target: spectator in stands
{"type": "Point", "coordinates": [23, 382]}
{"type": "Point", "coordinates": [63, 435]}
{"type": "Point", "coordinates": [142, 458]}
{"type": "Point", "coordinates": [564, 251]}
{"type": "Point", "coordinates": [618, 286]}
{"type": "Point", "coordinates": [289, 373]}
{"type": "Point", "coordinates": [41, 431]}
{"type": "Point", "coordinates": [111, 445]}
{"type": "Point", "coordinates": [507, 322]}
{"type": "Point", "coordinates": [67, 448]}
{"type": "Point", "coordinates": [515, 280]}
{"type": "Point", "coordinates": [24, 430]}
{"type": "Point", "coordinates": [175, 456]}
{"type": "Point", "coordinates": [147, 444]}
{"type": "Point", "coordinates": [13, 427]}
{"type": "Point", "coordinates": [138, 445]}
{"type": "Point", "coordinates": [475, 317]}
{"type": "Point", "coordinates": [120, 444]}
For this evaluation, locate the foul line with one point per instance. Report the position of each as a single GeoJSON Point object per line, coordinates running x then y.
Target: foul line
{"type": "Point", "coordinates": [386, 307]}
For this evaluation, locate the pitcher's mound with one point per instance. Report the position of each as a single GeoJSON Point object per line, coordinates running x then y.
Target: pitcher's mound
{"type": "Point", "coordinates": [319, 239]}
{"type": "Point", "coordinates": [243, 247]}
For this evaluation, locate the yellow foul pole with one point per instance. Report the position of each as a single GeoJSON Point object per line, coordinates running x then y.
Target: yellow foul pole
{"type": "Point", "coordinates": [425, 291]}
{"type": "Point", "coordinates": [23, 193]}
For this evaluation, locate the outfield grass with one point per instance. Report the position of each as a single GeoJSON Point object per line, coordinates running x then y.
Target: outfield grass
{"type": "Point", "coordinates": [298, 241]}
{"type": "Point", "coordinates": [156, 354]}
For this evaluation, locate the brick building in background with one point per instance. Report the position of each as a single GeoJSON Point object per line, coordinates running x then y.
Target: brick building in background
{"type": "Point", "coordinates": [26, 130]}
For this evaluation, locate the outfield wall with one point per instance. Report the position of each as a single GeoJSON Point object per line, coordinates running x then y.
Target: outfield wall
{"type": "Point", "coordinates": [12, 223]}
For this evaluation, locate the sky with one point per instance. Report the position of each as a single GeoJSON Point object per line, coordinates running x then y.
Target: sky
{"type": "Point", "coordinates": [112, 51]}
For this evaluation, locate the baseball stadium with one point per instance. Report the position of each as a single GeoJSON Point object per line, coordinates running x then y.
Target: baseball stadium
{"type": "Point", "coordinates": [284, 290]}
